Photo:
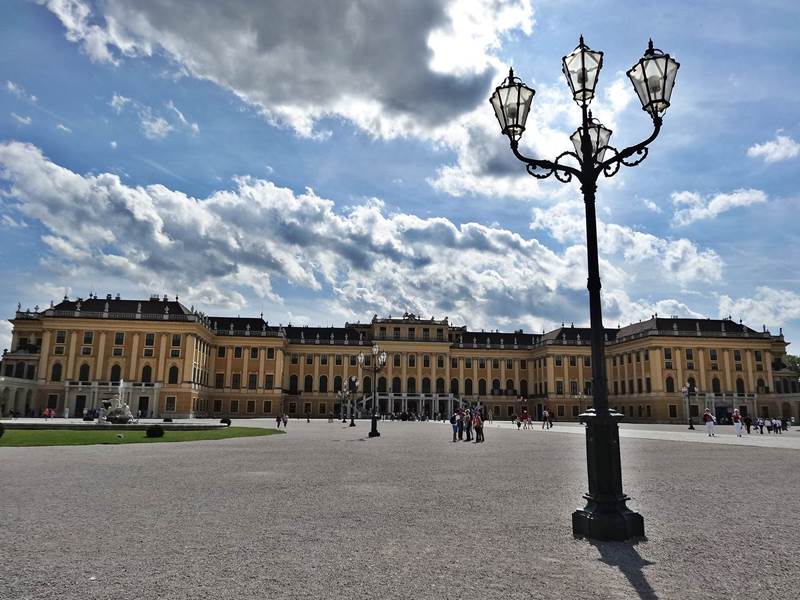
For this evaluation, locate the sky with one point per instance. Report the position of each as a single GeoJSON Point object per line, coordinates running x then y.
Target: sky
{"type": "Point", "coordinates": [321, 162]}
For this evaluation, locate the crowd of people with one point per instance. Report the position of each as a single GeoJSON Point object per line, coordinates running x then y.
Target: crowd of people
{"type": "Point", "coordinates": [743, 423]}
{"type": "Point", "coordinates": [464, 423]}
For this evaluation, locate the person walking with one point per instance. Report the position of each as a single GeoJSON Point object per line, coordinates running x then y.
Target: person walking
{"type": "Point", "coordinates": [544, 418]}
{"type": "Point", "coordinates": [737, 422]}
{"type": "Point", "coordinates": [710, 421]}
{"type": "Point", "coordinates": [760, 425]}
{"type": "Point", "coordinates": [477, 423]}
{"type": "Point", "coordinates": [549, 420]}
{"type": "Point", "coordinates": [748, 423]}
{"type": "Point", "coordinates": [285, 420]}
{"type": "Point", "coordinates": [454, 425]}
{"type": "Point", "coordinates": [278, 421]}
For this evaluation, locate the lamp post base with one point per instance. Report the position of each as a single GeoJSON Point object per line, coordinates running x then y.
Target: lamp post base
{"type": "Point", "coordinates": [374, 431]}
{"type": "Point", "coordinates": [605, 516]}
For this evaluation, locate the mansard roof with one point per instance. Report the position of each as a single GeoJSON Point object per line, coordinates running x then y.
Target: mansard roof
{"type": "Point", "coordinates": [666, 326]}
{"type": "Point", "coordinates": [494, 338]}
{"type": "Point", "coordinates": [116, 305]}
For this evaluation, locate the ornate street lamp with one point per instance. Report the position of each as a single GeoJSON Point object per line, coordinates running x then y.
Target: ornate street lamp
{"type": "Point", "coordinates": [606, 515]}
{"type": "Point", "coordinates": [378, 362]}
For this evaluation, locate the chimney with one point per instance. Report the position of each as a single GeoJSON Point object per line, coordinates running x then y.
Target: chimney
{"type": "Point", "coordinates": [108, 296]}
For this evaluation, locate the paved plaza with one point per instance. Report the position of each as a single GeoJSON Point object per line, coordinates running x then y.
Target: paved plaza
{"type": "Point", "coordinates": [324, 512]}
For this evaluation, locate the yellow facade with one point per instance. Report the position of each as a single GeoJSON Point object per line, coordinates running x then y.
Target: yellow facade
{"type": "Point", "coordinates": [177, 362]}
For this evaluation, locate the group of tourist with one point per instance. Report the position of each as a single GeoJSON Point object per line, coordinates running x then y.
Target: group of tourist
{"type": "Point", "coordinates": [464, 422]}
{"type": "Point", "coordinates": [746, 423]}
{"type": "Point", "coordinates": [282, 419]}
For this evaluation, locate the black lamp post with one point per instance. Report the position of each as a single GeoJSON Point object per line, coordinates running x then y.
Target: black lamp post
{"type": "Point", "coordinates": [352, 387]}
{"type": "Point", "coordinates": [378, 362]}
{"type": "Point", "coordinates": [606, 515]}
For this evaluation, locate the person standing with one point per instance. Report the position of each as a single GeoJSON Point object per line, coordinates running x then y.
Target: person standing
{"type": "Point", "coordinates": [737, 422]}
{"type": "Point", "coordinates": [709, 420]}
{"type": "Point", "coordinates": [477, 423]}
{"type": "Point", "coordinates": [748, 423]}
{"type": "Point", "coordinates": [460, 424]}
{"type": "Point", "coordinates": [454, 425]}
{"type": "Point", "coordinates": [278, 421]}
{"type": "Point", "coordinates": [285, 420]}
{"type": "Point", "coordinates": [544, 418]}
{"type": "Point", "coordinates": [468, 425]}
{"type": "Point", "coordinates": [549, 420]}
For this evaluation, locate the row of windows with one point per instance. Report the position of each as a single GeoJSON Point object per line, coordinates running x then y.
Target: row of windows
{"type": "Point", "coordinates": [412, 361]}
{"type": "Point", "coordinates": [411, 386]}
{"type": "Point", "coordinates": [412, 333]}
{"type": "Point", "coordinates": [115, 375]}
{"type": "Point", "coordinates": [252, 381]}
{"type": "Point", "coordinates": [238, 352]}
{"type": "Point", "coordinates": [119, 338]}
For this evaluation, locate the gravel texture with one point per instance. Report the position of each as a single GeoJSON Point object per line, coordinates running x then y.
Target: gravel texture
{"type": "Point", "coordinates": [324, 512]}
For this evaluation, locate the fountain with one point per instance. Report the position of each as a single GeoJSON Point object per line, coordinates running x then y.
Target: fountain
{"type": "Point", "coordinates": [115, 410]}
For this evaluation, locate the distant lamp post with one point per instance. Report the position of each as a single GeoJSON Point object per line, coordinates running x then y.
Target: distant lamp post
{"type": "Point", "coordinates": [579, 398]}
{"type": "Point", "coordinates": [606, 515]}
{"type": "Point", "coordinates": [378, 362]}
{"type": "Point", "coordinates": [352, 388]}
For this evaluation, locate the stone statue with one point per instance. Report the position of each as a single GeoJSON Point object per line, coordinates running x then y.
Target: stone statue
{"type": "Point", "coordinates": [115, 410]}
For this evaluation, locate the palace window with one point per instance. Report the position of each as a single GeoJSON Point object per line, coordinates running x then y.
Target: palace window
{"type": "Point", "coordinates": [426, 360]}
{"type": "Point", "coordinates": [237, 352]}
{"type": "Point", "coordinates": [119, 338]}
{"type": "Point", "coordinates": [638, 357]}
{"type": "Point", "coordinates": [219, 380]}
{"type": "Point", "coordinates": [440, 334]}
{"type": "Point", "coordinates": [453, 363]}
{"type": "Point", "coordinates": [689, 354]}
{"type": "Point", "coordinates": [737, 355]}
{"type": "Point", "coordinates": [440, 361]}
{"type": "Point", "coordinates": [88, 337]}
{"type": "Point", "coordinates": [481, 363]}
{"type": "Point", "coordinates": [176, 339]}
{"type": "Point", "coordinates": [523, 364]}
{"type": "Point", "coordinates": [252, 381]}
{"type": "Point", "coordinates": [267, 406]}
{"type": "Point", "coordinates": [426, 333]}
{"type": "Point", "coordinates": [396, 332]}
{"type": "Point", "coordinates": [269, 381]}
{"type": "Point", "coordinates": [647, 386]}
{"type": "Point", "coordinates": [221, 352]}
{"type": "Point", "coordinates": [558, 360]}
{"type": "Point", "coordinates": [353, 360]}
{"type": "Point", "coordinates": [560, 410]}
{"type": "Point", "coordinates": [270, 353]}
{"type": "Point", "coordinates": [114, 351]}
{"type": "Point", "coordinates": [338, 360]}
{"type": "Point", "coordinates": [382, 333]}
{"type": "Point", "coordinates": [236, 381]}
{"type": "Point", "coordinates": [396, 360]}
{"type": "Point", "coordinates": [309, 359]}
{"type": "Point", "coordinates": [253, 352]}
{"type": "Point", "coordinates": [412, 360]}
{"type": "Point", "coordinates": [61, 337]}
{"type": "Point", "coordinates": [573, 361]}
{"type": "Point", "coordinates": [509, 363]}
{"type": "Point", "coordinates": [758, 355]}
{"type": "Point", "coordinates": [468, 363]}
{"type": "Point", "coordinates": [667, 353]}
{"type": "Point", "coordinates": [411, 333]}
{"type": "Point", "coordinates": [587, 361]}
{"type": "Point", "coordinates": [495, 363]}
{"type": "Point", "coordinates": [559, 387]}
{"type": "Point", "coordinates": [234, 406]}
{"type": "Point", "coordinates": [323, 359]}
{"type": "Point", "coordinates": [573, 387]}
{"type": "Point", "coordinates": [170, 404]}
{"type": "Point", "coordinates": [295, 358]}
{"type": "Point", "coordinates": [251, 406]}
{"type": "Point", "coordinates": [673, 411]}
{"type": "Point", "coordinates": [712, 354]}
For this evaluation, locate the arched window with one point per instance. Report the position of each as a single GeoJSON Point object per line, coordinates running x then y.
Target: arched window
{"type": "Point", "coordinates": [440, 386]}
{"type": "Point", "coordinates": [412, 385]}
{"type": "Point", "coordinates": [382, 384]}
{"type": "Point", "coordinates": [55, 372]}
{"type": "Point", "coordinates": [323, 384]}
{"type": "Point", "coordinates": [83, 373]}
{"type": "Point", "coordinates": [293, 384]}
{"type": "Point", "coordinates": [509, 385]}
{"type": "Point", "coordinates": [481, 387]}
{"type": "Point", "coordinates": [692, 385]}
{"type": "Point", "coordinates": [454, 386]}
{"type": "Point", "coordinates": [116, 373]}
{"type": "Point", "coordinates": [495, 386]}
{"type": "Point", "coordinates": [147, 374]}
{"type": "Point", "coordinates": [308, 383]}
{"type": "Point", "coordinates": [715, 386]}
{"type": "Point", "coordinates": [367, 385]}
{"type": "Point", "coordinates": [426, 385]}
{"type": "Point", "coordinates": [173, 375]}
{"type": "Point", "coordinates": [760, 386]}
{"type": "Point", "coordinates": [396, 386]}
{"type": "Point", "coordinates": [670, 385]}
{"type": "Point", "coordinates": [468, 387]}
{"type": "Point", "coordinates": [740, 386]}
{"type": "Point", "coordinates": [523, 388]}
{"type": "Point", "coordinates": [778, 386]}
{"type": "Point", "coordinates": [337, 384]}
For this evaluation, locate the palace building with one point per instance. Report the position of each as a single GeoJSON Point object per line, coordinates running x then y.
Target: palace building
{"type": "Point", "coordinates": [172, 361]}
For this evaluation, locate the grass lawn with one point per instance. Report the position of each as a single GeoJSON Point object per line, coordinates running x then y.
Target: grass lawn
{"type": "Point", "coordinates": [71, 437]}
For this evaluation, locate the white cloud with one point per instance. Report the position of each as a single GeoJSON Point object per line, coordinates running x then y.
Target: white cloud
{"type": "Point", "coordinates": [237, 242]}
{"type": "Point", "coordinates": [9, 221]}
{"type": "Point", "coordinates": [773, 307]}
{"type": "Point", "coordinates": [20, 92]}
{"type": "Point", "coordinates": [194, 127]}
{"type": "Point", "coordinates": [643, 255]}
{"type": "Point", "coordinates": [118, 102]}
{"type": "Point", "coordinates": [652, 206]}
{"type": "Point", "coordinates": [153, 126]}
{"type": "Point", "coordinates": [392, 73]}
{"type": "Point", "coordinates": [781, 148]}
{"type": "Point", "coordinates": [5, 335]}
{"type": "Point", "coordinates": [691, 206]}
{"type": "Point", "coordinates": [22, 120]}
{"type": "Point", "coordinates": [64, 128]}
{"type": "Point", "coordinates": [113, 144]}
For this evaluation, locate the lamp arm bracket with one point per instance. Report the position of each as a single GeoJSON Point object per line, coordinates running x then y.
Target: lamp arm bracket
{"type": "Point", "coordinates": [541, 169]}
{"type": "Point", "coordinates": [610, 167]}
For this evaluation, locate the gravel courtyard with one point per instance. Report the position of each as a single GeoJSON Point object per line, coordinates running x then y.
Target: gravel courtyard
{"type": "Point", "coordinates": [323, 512]}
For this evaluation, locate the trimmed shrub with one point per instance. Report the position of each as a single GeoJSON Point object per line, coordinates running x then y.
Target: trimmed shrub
{"type": "Point", "coordinates": [2, 430]}
{"type": "Point", "coordinates": [226, 421]}
{"type": "Point", "coordinates": [154, 431]}
{"type": "Point", "coordinates": [167, 419]}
